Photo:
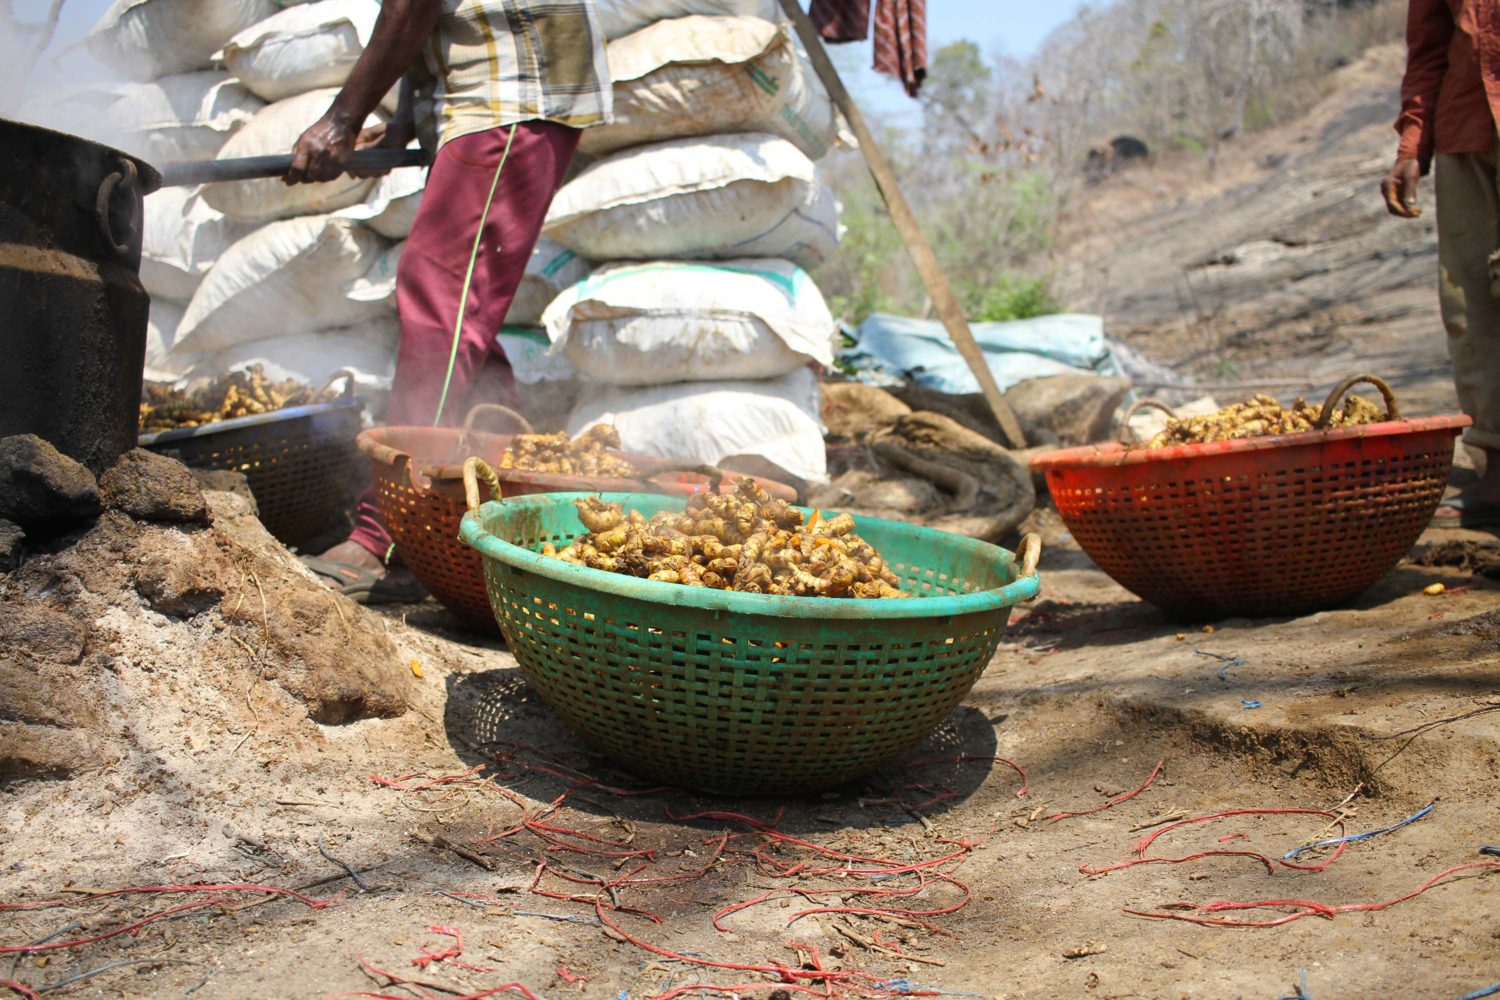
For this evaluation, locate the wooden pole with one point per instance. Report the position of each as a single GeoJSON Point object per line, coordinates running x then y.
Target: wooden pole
{"type": "Point", "coordinates": [926, 262]}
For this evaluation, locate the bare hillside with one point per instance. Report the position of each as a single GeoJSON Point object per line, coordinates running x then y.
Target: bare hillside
{"type": "Point", "coordinates": [1277, 262]}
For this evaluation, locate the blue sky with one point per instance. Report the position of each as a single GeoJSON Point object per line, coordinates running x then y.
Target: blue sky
{"type": "Point", "coordinates": [1015, 27]}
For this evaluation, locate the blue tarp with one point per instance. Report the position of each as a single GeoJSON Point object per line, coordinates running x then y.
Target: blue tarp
{"type": "Point", "coordinates": [888, 348]}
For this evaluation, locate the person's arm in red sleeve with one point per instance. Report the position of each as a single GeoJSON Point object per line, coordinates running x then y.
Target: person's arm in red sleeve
{"type": "Point", "coordinates": [1429, 30]}
{"type": "Point", "coordinates": [401, 30]}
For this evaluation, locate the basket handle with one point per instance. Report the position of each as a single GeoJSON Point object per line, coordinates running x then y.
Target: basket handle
{"type": "Point", "coordinates": [1392, 410]}
{"type": "Point", "coordinates": [327, 383]}
{"type": "Point", "coordinates": [1138, 406]}
{"type": "Point", "coordinates": [475, 469]}
{"type": "Point", "coordinates": [716, 475]}
{"type": "Point", "coordinates": [504, 411]}
{"type": "Point", "coordinates": [1030, 553]}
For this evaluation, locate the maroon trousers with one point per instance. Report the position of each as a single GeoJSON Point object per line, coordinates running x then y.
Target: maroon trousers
{"type": "Point", "coordinates": [430, 279]}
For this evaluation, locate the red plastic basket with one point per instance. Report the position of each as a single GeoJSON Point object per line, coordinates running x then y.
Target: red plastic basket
{"type": "Point", "coordinates": [419, 487]}
{"type": "Point", "coordinates": [1261, 526]}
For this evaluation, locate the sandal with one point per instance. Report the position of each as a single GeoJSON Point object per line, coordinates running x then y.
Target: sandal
{"type": "Point", "coordinates": [363, 586]}
{"type": "Point", "coordinates": [1473, 512]}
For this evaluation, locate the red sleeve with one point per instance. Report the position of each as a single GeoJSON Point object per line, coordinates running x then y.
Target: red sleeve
{"type": "Point", "coordinates": [1429, 30]}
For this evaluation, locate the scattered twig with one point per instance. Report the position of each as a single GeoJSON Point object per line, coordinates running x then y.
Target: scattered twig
{"type": "Point", "coordinates": [359, 882]}
{"type": "Point", "coordinates": [80, 977]}
{"type": "Point", "coordinates": [473, 857]}
{"type": "Point", "coordinates": [1085, 950]}
{"type": "Point", "coordinates": [865, 942]}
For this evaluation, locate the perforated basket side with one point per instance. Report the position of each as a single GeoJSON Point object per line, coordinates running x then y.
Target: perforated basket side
{"type": "Point", "coordinates": [714, 703]}
{"type": "Point", "coordinates": [1276, 531]}
{"type": "Point", "coordinates": [301, 465]}
{"type": "Point", "coordinates": [740, 700]}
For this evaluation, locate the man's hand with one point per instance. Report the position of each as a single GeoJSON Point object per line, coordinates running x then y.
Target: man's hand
{"type": "Point", "coordinates": [322, 151]}
{"type": "Point", "coordinates": [1400, 188]}
{"type": "Point", "coordinates": [393, 135]}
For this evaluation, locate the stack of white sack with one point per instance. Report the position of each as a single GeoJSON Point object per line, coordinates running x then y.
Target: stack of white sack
{"type": "Point", "coordinates": [701, 361]}
{"type": "Point", "coordinates": [702, 335]}
{"type": "Point", "coordinates": [299, 279]}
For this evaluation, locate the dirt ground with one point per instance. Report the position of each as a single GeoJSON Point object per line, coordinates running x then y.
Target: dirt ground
{"type": "Point", "coordinates": [1090, 690]}
{"type": "Point", "coordinates": [189, 758]}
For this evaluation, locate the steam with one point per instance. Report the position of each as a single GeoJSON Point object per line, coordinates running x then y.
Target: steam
{"type": "Point", "coordinates": [47, 76]}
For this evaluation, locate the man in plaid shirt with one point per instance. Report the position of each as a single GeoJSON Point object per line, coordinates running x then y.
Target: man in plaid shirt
{"type": "Point", "coordinates": [499, 89]}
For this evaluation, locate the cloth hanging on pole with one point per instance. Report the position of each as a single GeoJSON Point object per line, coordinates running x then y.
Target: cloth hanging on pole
{"type": "Point", "coordinates": [900, 33]}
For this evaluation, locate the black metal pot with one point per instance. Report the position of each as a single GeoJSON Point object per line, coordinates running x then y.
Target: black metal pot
{"type": "Point", "coordinates": [72, 309]}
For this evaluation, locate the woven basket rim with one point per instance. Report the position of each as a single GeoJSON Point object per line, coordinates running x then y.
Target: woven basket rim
{"type": "Point", "coordinates": [473, 531]}
{"type": "Point", "coordinates": [372, 442]}
{"type": "Point", "coordinates": [240, 423]}
{"type": "Point", "coordinates": [1113, 454]}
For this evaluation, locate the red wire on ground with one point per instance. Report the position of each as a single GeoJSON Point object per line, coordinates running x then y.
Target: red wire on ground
{"type": "Point", "coordinates": [1144, 844]}
{"type": "Point", "coordinates": [1112, 802]}
{"type": "Point", "coordinates": [20, 989]}
{"type": "Point", "coordinates": [1307, 908]}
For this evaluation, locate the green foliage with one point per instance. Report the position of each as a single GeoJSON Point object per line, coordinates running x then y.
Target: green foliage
{"type": "Point", "coordinates": [1008, 297]}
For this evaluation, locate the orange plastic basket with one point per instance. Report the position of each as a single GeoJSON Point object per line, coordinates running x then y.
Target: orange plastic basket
{"type": "Point", "coordinates": [418, 476]}
{"type": "Point", "coordinates": [1260, 526]}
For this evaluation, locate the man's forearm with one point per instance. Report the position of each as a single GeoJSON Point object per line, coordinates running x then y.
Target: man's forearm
{"type": "Point", "coordinates": [402, 29]}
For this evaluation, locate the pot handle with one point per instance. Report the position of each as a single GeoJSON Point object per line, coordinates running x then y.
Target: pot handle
{"type": "Point", "coordinates": [476, 469]}
{"type": "Point", "coordinates": [122, 181]}
{"type": "Point", "coordinates": [1392, 409]}
{"type": "Point", "coordinates": [716, 475]}
{"type": "Point", "coordinates": [327, 383]}
{"type": "Point", "coordinates": [505, 411]}
{"type": "Point", "coordinates": [1136, 407]}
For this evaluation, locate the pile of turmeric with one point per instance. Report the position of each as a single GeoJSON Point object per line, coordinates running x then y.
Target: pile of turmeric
{"type": "Point", "coordinates": [748, 542]}
{"type": "Point", "coordinates": [560, 455]}
{"type": "Point", "coordinates": [245, 393]}
{"type": "Point", "coordinates": [1261, 416]}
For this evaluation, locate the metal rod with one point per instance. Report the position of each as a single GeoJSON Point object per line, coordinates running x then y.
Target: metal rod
{"type": "Point", "coordinates": [188, 172]}
{"type": "Point", "coordinates": [926, 262]}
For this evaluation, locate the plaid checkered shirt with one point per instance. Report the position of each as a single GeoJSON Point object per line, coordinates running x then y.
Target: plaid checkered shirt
{"type": "Point", "coordinates": [497, 62]}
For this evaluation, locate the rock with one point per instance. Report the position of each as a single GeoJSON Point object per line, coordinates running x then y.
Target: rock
{"type": "Point", "coordinates": [41, 633]}
{"type": "Point", "coordinates": [1071, 409]}
{"type": "Point", "coordinates": [152, 487]}
{"type": "Point", "coordinates": [352, 669]}
{"type": "Point", "coordinates": [12, 537]}
{"type": "Point", "coordinates": [224, 481]}
{"type": "Point", "coordinates": [42, 488]}
{"type": "Point", "coordinates": [44, 729]}
{"type": "Point", "coordinates": [855, 411]}
{"type": "Point", "coordinates": [183, 581]}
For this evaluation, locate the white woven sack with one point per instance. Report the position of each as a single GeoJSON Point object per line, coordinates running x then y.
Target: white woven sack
{"type": "Point", "coordinates": [655, 323]}
{"type": "Point", "coordinates": [302, 48]}
{"type": "Point", "coordinates": [187, 116]}
{"type": "Point", "coordinates": [146, 39]}
{"type": "Point", "coordinates": [287, 278]}
{"type": "Point", "coordinates": [552, 269]}
{"type": "Point", "coordinates": [531, 358]}
{"type": "Point", "coordinates": [391, 208]}
{"type": "Point", "coordinates": [778, 420]}
{"type": "Point", "coordinates": [618, 18]}
{"type": "Point", "coordinates": [718, 198]}
{"type": "Point", "coordinates": [183, 238]}
{"type": "Point", "coordinates": [275, 130]}
{"type": "Point", "coordinates": [713, 75]}
{"type": "Point", "coordinates": [368, 350]}
{"type": "Point", "coordinates": [161, 336]}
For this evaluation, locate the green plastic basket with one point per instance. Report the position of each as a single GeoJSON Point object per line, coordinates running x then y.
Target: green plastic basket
{"type": "Point", "coordinates": [745, 693]}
